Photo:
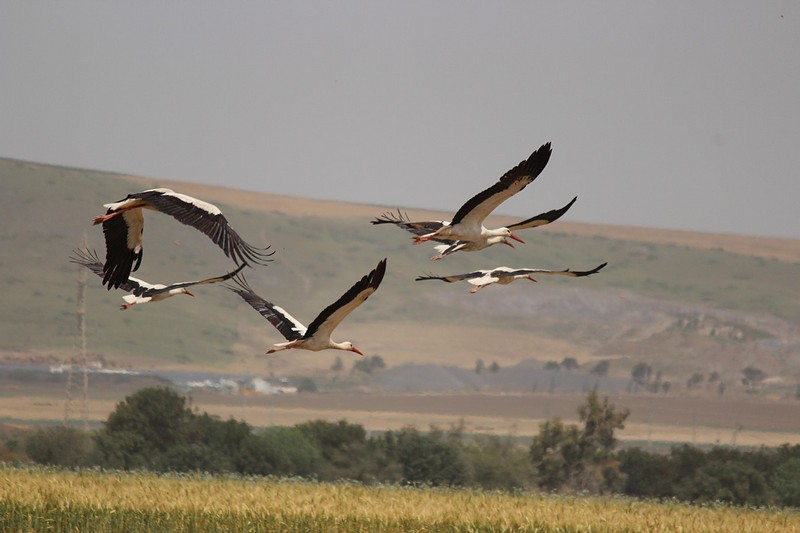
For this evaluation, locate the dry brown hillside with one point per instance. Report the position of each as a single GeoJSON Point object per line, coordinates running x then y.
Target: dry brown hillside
{"type": "Point", "coordinates": [766, 247]}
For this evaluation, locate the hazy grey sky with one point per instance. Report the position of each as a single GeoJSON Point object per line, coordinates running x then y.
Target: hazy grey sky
{"type": "Point", "coordinates": [662, 114]}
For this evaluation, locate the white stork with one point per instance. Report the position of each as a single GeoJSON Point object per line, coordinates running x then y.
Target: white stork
{"type": "Point", "coordinates": [142, 291]}
{"type": "Point", "coordinates": [467, 224]}
{"type": "Point", "coordinates": [317, 336]}
{"type": "Point", "coordinates": [506, 275]}
{"type": "Point", "coordinates": [450, 246]}
{"type": "Point", "coordinates": [123, 224]}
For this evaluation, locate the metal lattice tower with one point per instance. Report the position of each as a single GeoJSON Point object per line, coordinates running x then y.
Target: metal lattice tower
{"type": "Point", "coordinates": [81, 314]}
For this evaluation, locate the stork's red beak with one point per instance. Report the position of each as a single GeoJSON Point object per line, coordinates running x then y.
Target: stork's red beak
{"type": "Point", "coordinates": [531, 278]}
{"type": "Point", "coordinates": [505, 241]}
{"type": "Point", "coordinates": [188, 293]}
{"type": "Point", "coordinates": [354, 349]}
{"type": "Point", "coordinates": [516, 238]}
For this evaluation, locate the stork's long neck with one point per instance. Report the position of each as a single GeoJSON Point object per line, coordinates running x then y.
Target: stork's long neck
{"type": "Point", "coordinates": [493, 233]}
{"type": "Point", "coordinates": [339, 345]}
{"type": "Point", "coordinates": [348, 346]}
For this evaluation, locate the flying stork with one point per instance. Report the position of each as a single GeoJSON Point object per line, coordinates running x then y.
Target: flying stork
{"type": "Point", "coordinates": [506, 275]}
{"type": "Point", "coordinates": [123, 224]}
{"type": "Point", "coordinates": [142, 291]}
{"type": "Point", "coordinates": [467, 224]}
{"type": "Point", "coordinates": [450, 246]}
{"type": "Point", "coordinates": [317, 336]}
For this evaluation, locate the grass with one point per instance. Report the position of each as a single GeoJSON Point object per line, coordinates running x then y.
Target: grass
{"type": "Point", "coordinates": [52, 500]}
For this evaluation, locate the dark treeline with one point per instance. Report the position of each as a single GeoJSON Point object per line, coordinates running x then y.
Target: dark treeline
{"type": "Point", "coordinates": [154, 429]}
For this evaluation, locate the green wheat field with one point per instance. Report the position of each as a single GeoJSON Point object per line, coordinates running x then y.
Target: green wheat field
{"type": "Point", "coordinates": [57, 500]}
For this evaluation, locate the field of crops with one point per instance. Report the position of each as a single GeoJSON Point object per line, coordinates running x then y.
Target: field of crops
{"type": "Point", "coordinates": [51, 500]}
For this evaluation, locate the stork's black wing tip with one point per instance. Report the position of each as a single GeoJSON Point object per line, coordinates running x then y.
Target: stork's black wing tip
{"type": "Point", "coordinates": [240, 281]}
{"type": "Point", "coordinates": [378, 273]}
{"type": "Point", "coordinates": [250, 255]}
{"type": "Point", "coordinates": [390, 218]}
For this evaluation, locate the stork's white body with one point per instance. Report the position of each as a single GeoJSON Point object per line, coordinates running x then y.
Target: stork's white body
{"type": "Point", "coordinates": [467, 224]}
{"type": "Point", "coordinates": [449, 246]}
{"type": "Point", "coordinates": [317, 336]}
{"type": "Point", "coordinates": [159, 293]}
{"type": "Point", "coordinates": [505, 275]}
{"type": "Point", "coordinates": [140, 290]}
{"type": "Point", "coordinates": [123, 225]}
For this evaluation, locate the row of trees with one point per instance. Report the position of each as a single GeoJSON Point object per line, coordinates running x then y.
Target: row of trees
{"type": "Point", "coordinates": [644, 378]}
{"type": "Point", "coordinates": [766, 476]}
{"type": "Point", "coordinates": [155, 429]}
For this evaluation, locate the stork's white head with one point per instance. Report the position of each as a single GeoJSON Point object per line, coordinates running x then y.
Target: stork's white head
{"type": "Point", "coordinates": [504, 233]}
{"type": "Point", "coordinates": [515, 237]}
{"type": "Point", "coordinates": [498, 239]}
{"type": "Point", "coordinates": [347, 345]}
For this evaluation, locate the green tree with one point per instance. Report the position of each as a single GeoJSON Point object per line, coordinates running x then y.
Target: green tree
{"type": "Point", "coordinates": [728, 481]}
{"type": "Point", "coordinates": [569, 363]}
{"type": "Point", "coordinates": [59, 446]}
{"type": "Point", "coordinates": [601, 368]}
{"type": "Point", "coordinates": [306, 384]}
{"type": "Point", "coordinates": [580, 459]}
{"type": "Point", "coordinates": [556, 454]}
{"type": "Point", "coordinates": [646, 475]}
{"type": "Point", "coordinates": [142, 427]}
{"type": "Point", "coordinates": [154, 429]}
{"type": "Point", "coordinates": [498, 463]}
{"type": "Point", "coordinates": [640, 374]}
{"type": "Point", "coordinates": [694, 380]}
{"type": "Point", "coordinates": [600, 420]}
{"type": "Point", "coordinates": [282, 451]}
{"type": "Point", "coordinates": [343, 447]}
{"type": "Point", "coordinates": [370, 364]}
{"type": "Point", "coordinates": [217, 445]}
{"type": "Point", "coordinates": [786, 482]}
{"type": "Point", "coordinates": [189, 457]}
{"type": "Point", "coordinates": [430, 459]}
{"type": "Point", "coordinates": [685, 460]}
{"type": "Point", "coordinates": [752, 377]}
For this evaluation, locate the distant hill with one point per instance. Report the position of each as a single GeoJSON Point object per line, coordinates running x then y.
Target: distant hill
{"type": "Point", "coordinates": [682, 302]}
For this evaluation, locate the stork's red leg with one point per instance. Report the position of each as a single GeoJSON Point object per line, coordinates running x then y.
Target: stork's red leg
{"type": "Point", "coordinates": [102, 218]}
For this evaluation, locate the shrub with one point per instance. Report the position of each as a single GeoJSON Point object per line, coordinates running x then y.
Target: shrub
{"type": "Point", "coordinates": [728, 481]}
{"type": "Point", "coordinates": [59, 446]}
{"type": "Point", "coordinates": [430, 459]}
{"type": "Point", "coordinates": [282, 451]}
{"type": "Point", "coordinates": [647, 475]}
{"type": "Point", "coordinates": [786, 482]}
{"type": "Point", "coordinates": [498, 463]}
